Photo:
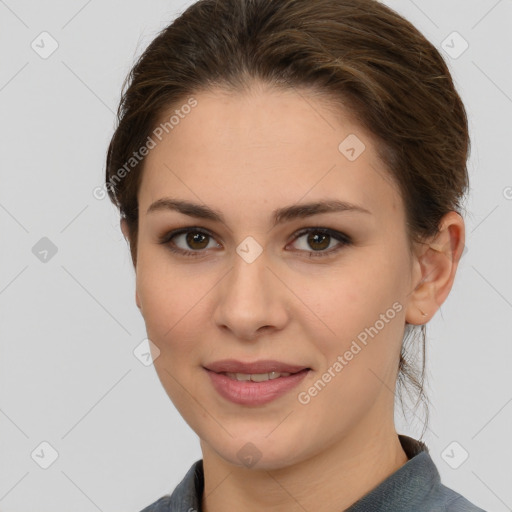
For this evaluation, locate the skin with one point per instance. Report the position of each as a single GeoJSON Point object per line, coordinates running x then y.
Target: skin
{"type": "Point", "coordinates": [245, 155]}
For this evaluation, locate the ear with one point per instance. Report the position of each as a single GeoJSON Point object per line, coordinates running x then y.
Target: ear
{"type": "Point", "coordinates": [124, 228]}
{"type": "Point", "coordinates": [126, 234]}
{"type": "Point", "coordinates": [435, 266]}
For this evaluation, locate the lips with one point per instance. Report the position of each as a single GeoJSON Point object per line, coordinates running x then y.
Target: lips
{"type": "Point", "coordinates": [264, 390]}
{"type": "Point", "coordinates": [265, 366]}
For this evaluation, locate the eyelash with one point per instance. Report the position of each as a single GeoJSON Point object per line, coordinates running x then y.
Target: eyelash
{"type": "Point", "coordinates": [340, 237]}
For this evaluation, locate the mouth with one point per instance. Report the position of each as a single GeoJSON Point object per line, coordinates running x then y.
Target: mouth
{"type": "Point", "coordinates": [271, 368]}
{"type": "Point", "coordinates": [259, 377]}
{"type": "Point", "coordinates": [256, 383]}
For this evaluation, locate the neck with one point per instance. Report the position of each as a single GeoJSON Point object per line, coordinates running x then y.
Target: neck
{"type": "Point", "coordinates": [330, 481]}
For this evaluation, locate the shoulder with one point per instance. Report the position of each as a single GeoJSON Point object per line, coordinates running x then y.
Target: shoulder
{"type": "Point", "coordinates": [449, 500]}
{"type": "Point", "coordinates": [168, 504]}
{"type": "Point", "coordinates": [161, 505]}
{"type": "Point", "coordinates": [186, 497]}
{"type": "Point", "coordinates": [420, 486]}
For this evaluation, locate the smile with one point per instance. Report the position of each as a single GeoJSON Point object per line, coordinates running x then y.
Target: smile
{"type": "Point", "coordinates": [255, 388]}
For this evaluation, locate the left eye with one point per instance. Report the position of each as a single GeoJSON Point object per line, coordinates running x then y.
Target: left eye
{"type": "Point", "coordinates": [320, 239]}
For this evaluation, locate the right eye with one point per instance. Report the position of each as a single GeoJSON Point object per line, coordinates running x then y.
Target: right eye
{"type": "Point", "coordinates": [194, 238]}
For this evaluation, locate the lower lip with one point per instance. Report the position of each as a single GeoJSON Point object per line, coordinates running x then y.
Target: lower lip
{"type": "Point", "coordinates": [254, 393]}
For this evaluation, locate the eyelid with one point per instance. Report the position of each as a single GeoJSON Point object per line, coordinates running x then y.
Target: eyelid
{"type": "Point", "coordinates": [166, 238]}
{"type": "Point", "coordinates": [327, 231]}
{"type": "Point", "coordinates": [343, 240]}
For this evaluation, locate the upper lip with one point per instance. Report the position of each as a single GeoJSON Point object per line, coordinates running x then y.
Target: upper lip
{"type": "Point", "coordinates": [265, 366]}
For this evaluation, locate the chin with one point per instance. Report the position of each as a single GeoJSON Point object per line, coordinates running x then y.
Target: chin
{"type": "Point", "coordinates": [260, 453]}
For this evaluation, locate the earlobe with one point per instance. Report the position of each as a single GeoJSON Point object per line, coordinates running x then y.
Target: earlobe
{"type": "Point", "coordinates": [436, 267]}
{"type": "Point", "coordinates": [126, 234]}
{"type": "Point", "coordinates": [124, 228]}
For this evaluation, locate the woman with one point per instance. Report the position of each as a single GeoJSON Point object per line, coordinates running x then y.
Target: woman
{"type": "Point", "coordinates": [289, 176]}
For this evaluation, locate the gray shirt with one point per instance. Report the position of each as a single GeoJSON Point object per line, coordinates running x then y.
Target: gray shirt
{"type": "Point", "coordinates": [414, 487]}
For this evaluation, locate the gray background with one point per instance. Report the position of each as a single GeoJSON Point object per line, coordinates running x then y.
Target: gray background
{"type": "Point", "coordinates": [69, 325]}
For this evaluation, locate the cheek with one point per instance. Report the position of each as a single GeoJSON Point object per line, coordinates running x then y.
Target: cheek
{"type": "Point", "coordinates": [173, 312]}
{"type": "Point", "coordinates": [350, 308]}
{"type": "Point", "coordinates": [339, 302]}
{"type": "Point", "coordinates": [170, 301]}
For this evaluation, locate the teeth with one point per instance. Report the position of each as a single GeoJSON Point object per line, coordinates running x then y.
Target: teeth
{"type": "Point", "coordinates": [256, 377]}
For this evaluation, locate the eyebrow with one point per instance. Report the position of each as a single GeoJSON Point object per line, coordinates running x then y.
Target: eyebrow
{"type": "Point", "coordinates": [279, 216]}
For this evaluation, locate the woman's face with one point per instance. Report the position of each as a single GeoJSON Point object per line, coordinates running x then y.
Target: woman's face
{"type": "Point", "coordinates": [252, 289]}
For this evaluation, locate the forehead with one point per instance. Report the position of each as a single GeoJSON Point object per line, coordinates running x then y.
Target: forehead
{"type": "Point", "coordinates": [269, 146]}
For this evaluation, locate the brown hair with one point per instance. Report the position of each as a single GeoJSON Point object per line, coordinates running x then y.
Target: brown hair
{"type": "Point", "coordinates": [358, 53]}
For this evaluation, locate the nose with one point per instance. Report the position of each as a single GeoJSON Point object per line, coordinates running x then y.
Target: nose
{"type": "Point", "coordinates": [251, 299]}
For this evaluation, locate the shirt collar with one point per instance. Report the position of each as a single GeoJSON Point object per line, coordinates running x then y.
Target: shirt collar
{"type": "Point", "coordinates": [407, 486]}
